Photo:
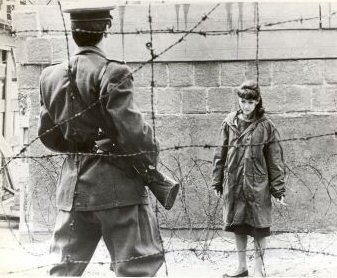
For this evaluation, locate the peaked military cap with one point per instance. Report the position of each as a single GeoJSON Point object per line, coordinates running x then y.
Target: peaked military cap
{"type": "Point", "coordinates": [89, 11]}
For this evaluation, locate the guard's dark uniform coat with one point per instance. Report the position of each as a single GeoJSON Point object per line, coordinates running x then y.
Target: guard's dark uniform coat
{"type": "Point", "coordinates": [99, 196]}
{"type": "Point", "coordinates": [98, 182]}
{"type": "Point", "coordinates": [250, 174]}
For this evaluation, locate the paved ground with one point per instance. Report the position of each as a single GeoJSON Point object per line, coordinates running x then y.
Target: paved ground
{"type": "Point", "coordinates": [20, 257]}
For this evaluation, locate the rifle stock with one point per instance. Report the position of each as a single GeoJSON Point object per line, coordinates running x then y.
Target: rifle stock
{"type": "Point", "coordinates": [163, 187]}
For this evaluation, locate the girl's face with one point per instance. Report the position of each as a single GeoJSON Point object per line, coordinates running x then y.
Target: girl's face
{"type": "Point", "coordinates": [247, 105]}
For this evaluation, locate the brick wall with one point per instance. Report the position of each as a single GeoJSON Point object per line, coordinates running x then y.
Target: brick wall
{"type": "Point", "coordinates": [193, 93]}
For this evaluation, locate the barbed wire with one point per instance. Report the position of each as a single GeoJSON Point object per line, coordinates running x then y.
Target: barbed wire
{"type": "Point", "coordinates": [175, 148]}
{"type": "Point", "coordinates": [184, 178]}
{"type": "Point", "coordinates": [260, 250]}
{"type": "Point", "coordinates": [153, 116]}
{"type": "Point", "coordinates": [168, 31]}
{"type": "Point", "coordinates": [257, 43]}
{"type": "Point", "coordinates": [192, 250]}
{"type": "Point", "coordinates": [172, 30]}
{"type": "Point", "coordinates": [152, 83]}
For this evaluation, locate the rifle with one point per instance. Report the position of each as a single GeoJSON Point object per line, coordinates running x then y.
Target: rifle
{"type": "Point", "coordinates": [164, 188]}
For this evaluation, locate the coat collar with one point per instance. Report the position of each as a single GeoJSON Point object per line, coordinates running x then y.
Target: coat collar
{"type": "Point", "coordinates": [231, 120]}
{"type": "Point", "coordinates": [90, 49]}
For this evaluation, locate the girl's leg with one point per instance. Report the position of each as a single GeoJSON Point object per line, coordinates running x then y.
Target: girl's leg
{"type": "Point", "coordinates": [241, 246]}
{"type": "Point", "coordinates": [260, 246]}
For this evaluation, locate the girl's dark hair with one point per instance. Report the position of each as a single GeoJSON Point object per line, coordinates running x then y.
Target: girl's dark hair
{"type": "Point", "coordinates": [95, 32]}
{"type": "Point", "coordinates": [250, 90]}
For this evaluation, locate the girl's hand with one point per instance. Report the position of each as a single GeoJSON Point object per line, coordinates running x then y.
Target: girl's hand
{"type": "Point", "coordinates": [217, 193]}
{"type": "Point", "coordinates": [218, 189]}
{"type": "Point", "coordinates": [281, 201]}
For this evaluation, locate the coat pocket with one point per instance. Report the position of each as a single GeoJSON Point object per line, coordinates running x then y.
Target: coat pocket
{"type": "Point", "coordinates": [260, 179]}
{"type": "Point", "coordinates": [260, 169]}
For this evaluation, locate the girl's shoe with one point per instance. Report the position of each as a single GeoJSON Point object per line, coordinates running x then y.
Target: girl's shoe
{"type": "Point", "coordinates": [242, 274]}
{"type": "Point", "coordinates": [259, 275]}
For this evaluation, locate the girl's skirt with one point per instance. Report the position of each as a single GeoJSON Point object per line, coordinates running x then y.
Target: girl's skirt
{"type": "Point", "coordinates": [245, 229]}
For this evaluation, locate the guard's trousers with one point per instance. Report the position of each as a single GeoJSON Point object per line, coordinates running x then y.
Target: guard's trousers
{"type": "Point", "coordinates": [130, 234]}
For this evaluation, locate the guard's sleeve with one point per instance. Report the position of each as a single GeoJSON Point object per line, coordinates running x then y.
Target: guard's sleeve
{"type": "Point", "coordinates": [131, 132]}
{"type": "Point", "coordinates": [220, 155]}
{"type": "Point", "coordinates": [50, 135]}
{"type": "Point", "coordinates": [275, 164]}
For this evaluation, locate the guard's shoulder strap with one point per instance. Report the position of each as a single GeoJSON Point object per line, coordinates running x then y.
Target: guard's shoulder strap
{"type": "Point", "coordinates": [116, 61]}
{"type": "Point", "coordinates": [103, 70]}
{"type": "Point", "coordinates": [75, 93]}
{"type": "Point", "coordinates": [108, 61]}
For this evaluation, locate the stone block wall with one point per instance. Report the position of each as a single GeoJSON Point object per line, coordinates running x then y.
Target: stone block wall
{"type": "Point", "coordinates": [303, 106]}
{"type": "Point", "coordinates": [192, 95]}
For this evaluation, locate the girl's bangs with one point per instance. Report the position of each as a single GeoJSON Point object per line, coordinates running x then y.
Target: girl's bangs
{"type": "Point", "coordinates": [248, 94]}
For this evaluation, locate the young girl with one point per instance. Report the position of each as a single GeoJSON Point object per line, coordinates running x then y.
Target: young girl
{"type": "Point", "coordinates": [248, 170]}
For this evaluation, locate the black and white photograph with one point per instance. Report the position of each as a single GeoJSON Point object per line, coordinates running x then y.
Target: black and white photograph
{"type": "Point", "coordinates": [168, 138]}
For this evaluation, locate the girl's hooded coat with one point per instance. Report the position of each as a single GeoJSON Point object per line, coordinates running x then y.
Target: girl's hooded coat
{"type": "Point", "coordinates": [250, 167]}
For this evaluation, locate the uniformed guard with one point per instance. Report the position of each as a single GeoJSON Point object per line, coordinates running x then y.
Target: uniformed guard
{"type": "Point", "coordinates": [98, 196]}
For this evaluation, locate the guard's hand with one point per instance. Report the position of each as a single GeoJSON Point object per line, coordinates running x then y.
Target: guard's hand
{"type": "Point", "coordinates": [281, 201]}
